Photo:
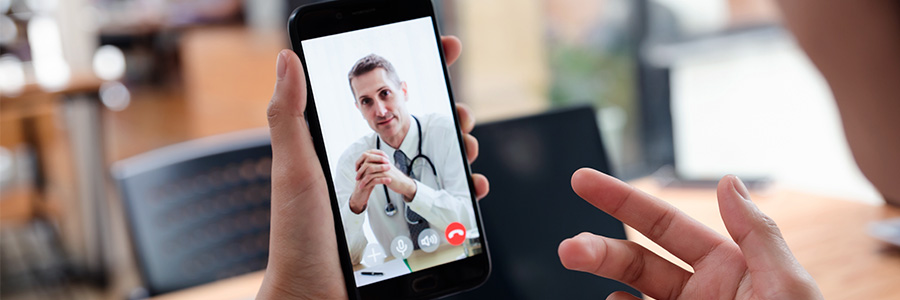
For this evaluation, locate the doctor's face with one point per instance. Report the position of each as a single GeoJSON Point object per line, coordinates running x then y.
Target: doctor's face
{"type": "Point", "coordinates": [382, 103]}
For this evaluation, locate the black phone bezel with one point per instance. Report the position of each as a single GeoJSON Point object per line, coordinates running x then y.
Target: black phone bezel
{"type": "Point", "coordinates": [335, 17]}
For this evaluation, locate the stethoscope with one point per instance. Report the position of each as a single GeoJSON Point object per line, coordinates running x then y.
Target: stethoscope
{"type": "Point", "coordinates": [390, 210]}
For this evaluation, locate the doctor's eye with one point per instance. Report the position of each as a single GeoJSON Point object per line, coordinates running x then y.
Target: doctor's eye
{"type": "Point", "coordinates": [385, 93]}
{"type": "Point", "coordinates": [365, 101]}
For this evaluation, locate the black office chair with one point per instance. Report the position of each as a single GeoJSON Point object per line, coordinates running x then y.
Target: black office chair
{"type": "Point", "coordinates": [198, 211]}
{"type": "Point", "coordinates": [531, 206]}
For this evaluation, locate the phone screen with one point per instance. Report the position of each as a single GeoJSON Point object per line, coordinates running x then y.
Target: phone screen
{"type": "Point", "coordinates": [393, 149]}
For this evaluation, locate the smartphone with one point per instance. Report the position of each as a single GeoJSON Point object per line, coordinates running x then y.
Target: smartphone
{"type": "Point", "coordinates": [384, 124]}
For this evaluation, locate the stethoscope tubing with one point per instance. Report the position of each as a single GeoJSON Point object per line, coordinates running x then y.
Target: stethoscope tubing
{"type": "Point", "coordinates": [389, 208]}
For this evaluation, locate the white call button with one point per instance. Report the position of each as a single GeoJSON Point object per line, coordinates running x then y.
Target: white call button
{"type": "Point", "coordinates": [401, 247]}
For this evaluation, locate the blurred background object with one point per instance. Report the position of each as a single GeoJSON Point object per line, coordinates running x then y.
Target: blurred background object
{"type": "Point", "coordinates": [523, 159]}
{"type": "Point", "coordinates": [198, 211]}
{"type": "Point", "coordinates": [676, 85]}
{"type": "Point", "coordinates": [743, 98]}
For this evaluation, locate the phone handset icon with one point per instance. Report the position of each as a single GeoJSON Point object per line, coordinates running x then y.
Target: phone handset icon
{"type": "Point", "coordinates": [455, 233]}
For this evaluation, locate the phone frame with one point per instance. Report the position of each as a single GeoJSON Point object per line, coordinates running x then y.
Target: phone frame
{"type": "Point", "coordinates": [335, 17]}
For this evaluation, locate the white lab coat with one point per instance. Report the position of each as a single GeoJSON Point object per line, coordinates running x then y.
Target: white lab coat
{"type": "Point", "coordinates": [439, 207]}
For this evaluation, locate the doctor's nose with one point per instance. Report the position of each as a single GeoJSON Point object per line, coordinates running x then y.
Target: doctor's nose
{"type": "Point", "coordinates": [380, 109]}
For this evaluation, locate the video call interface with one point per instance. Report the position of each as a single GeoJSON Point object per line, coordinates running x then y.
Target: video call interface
{"type": "Point", "coordinates": [392, 149]}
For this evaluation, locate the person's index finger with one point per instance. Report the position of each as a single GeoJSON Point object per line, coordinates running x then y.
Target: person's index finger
{"type": "Point", "coordinates": [370, 168]}
{"type": "Point", "coordinates": [361, 171]}
{"type": "Point", "coordinates": [452, 48]}
{"type": "Point", "coordinates": [361, 160]}
{"type": "Point", "coordinates": [466, 120]}
{"type": "Point", "coordinates": [379, 152]}
{"type": "Point", "coordinates": [659, 221]}
{"type": "Point", "coordinates": [368, 155]}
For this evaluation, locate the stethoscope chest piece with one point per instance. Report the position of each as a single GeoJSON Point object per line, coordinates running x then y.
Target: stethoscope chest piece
{"type": "Point", "coordinates": [390, 210]}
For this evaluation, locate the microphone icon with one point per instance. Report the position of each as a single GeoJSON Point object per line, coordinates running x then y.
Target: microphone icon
{"type": "Point", "coordinates": [401, 247]}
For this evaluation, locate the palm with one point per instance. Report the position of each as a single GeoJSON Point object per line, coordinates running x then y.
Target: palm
{"type": "Point", "coordinates": [732, 277]}
{"type": "Point", "coordinates": [755, 264]}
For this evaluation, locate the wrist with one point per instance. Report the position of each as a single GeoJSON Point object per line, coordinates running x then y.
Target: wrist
{"type": "Point", "coordinates": [357, 208]}
{"type": "Point", "coordinates": [271, 288]}
{"type": "Point", "coordinates": [410, 191]}
{"type": "Point", "coordinates": [280, 283]}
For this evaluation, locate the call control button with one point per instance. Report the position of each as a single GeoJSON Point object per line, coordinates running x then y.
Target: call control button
{"type": "Point", "coordinates": [455, 233]}
{"type": "Point", "coordinates": [401, 247]}
{"type": "Point", "coordinates": [429, 240]}
{"type": "Point", "coordinates": [373, 255]}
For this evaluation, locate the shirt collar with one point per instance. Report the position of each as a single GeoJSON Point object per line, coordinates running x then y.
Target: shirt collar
{"type": "Point", "coordinates": [410, 144]}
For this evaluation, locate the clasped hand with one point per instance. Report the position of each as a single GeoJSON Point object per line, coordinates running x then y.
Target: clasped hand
{"type": "Point", "coordinates": [373, 168]}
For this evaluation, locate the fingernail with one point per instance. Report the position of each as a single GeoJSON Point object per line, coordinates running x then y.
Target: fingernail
{"type": "Point", "coordinates": [282, 64]}
{"type": "Point", "coordinates": [740, 188]}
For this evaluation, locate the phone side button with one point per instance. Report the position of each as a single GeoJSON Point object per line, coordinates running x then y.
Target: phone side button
{"type": "Point", "coordinates": [424, 283]}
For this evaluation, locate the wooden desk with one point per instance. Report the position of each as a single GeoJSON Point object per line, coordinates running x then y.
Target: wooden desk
{"type": "Point", "coordinates": [420, 260]}
{"type": "Point", "coordinates": [827, 236]}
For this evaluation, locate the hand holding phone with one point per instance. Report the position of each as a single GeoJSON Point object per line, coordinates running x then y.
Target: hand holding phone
{"type": "Point", "coordinates": [303, 256]}
{"type": "Point", "coordinates": [382, 121]}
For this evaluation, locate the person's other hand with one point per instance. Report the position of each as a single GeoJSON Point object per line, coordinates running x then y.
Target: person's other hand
{"type": "Point", "coordinates": [755, 264]}
{"type": "Point", "coordinates": [303, 254]}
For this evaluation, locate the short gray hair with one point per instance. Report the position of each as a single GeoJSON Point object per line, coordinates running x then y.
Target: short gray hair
{"type": "Point", "coordinates": [367, 64]}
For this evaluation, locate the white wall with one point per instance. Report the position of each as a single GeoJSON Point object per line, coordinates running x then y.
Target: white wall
{"type": "Point", "coordinates": [762, 109]}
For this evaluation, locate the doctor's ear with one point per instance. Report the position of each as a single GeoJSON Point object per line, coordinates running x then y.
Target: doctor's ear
{"type": "Point", "coordinates": [403, 88]}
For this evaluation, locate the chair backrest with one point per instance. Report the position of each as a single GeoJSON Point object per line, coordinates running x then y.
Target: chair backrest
{"type": "Point", "coordinates": [531, 206]}
{"type": "Point", "coordinates": [198, 211]}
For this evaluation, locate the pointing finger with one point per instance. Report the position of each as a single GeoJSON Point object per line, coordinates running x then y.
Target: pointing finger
{"type": "Point", "coordinates": [623, 261]}
{"type": "Point", "coordinates": [656, 219]}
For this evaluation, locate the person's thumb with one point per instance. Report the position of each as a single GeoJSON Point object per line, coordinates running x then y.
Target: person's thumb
{"type": "Point", "coordinates": [298, 241]}
{"type": "Point", "coordinates": [758, 236]}
{"type": "Point", "coordinates": [288, 102]}
{"type": "Point", "coordinates": [291, 142]}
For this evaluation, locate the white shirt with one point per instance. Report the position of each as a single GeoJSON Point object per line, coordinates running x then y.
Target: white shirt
{"type": "Point", "coordinates": [439, 207]}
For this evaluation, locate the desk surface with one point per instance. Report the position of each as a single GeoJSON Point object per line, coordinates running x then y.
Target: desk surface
{"type": "Point", "coordinates": [420, 260]}
{"type": "Point", "coordinates": [827, 236]}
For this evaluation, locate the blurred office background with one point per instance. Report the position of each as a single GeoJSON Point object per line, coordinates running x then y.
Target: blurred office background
{"type": "Point", "coordinates": [683, 90]}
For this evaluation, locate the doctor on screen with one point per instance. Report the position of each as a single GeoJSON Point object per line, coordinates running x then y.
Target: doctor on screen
{"type": "Point", "coordinates": [407, 176]}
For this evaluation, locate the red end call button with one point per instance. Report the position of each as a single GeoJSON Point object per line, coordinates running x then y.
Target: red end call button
{"type": "Point", "coordinates": [455, 233]}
